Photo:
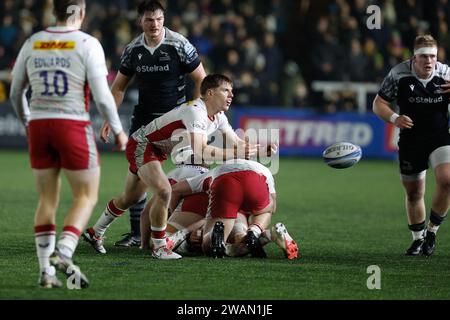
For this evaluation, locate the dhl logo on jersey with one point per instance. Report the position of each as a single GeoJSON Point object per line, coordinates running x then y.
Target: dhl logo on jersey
{"type": "Point", "coordinates": [54, 45]}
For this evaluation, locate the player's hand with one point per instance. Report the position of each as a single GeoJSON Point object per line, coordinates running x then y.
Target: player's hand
{"type": "Point", "coordinates": [121, 140]}
{"type": "Point", "coordinates": [446, 87]}
{"type": "Point", "coordinates": [269, 150]}
{"type": "Point", "coordinates": [246, 150]}
{"type": "Point", "coordinates": [404, 122]}
{"type": "Point", "coordinates": [104, 132]}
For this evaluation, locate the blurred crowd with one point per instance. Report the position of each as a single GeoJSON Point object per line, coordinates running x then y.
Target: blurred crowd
{"type": "Point", "coordinates": [272, 49]}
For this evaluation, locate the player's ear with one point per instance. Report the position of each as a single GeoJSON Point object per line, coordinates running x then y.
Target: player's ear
{"type": "Point", "coordinates": [82, 13]}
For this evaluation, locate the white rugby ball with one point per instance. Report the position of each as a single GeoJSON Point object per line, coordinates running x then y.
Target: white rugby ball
{"type": "Point", "coordinates": [342, 155]}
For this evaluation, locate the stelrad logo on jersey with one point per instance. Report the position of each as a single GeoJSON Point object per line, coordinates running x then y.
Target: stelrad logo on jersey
{"type": "Point", "coordinates": [425, 100]}
{"type": "Point", "coordinates": [154, 68]}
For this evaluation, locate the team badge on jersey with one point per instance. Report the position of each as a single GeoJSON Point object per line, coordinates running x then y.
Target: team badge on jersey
{"type": "Point", "coordinates": [438, 89]}
{"type": "Point", "coordinates": [54, 45]}
{"type": "Point", "coordinates": [164, 56]}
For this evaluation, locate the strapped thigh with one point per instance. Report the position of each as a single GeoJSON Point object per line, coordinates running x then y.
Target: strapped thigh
{"type": "Point", "coordinates": [439, 156]}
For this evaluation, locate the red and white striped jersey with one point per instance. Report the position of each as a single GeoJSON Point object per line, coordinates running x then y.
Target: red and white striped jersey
{"type": "Point", "coordinates": [202, 182]}
{"type": "Point", "coordinates": [58, 63]}
{"type": "Point", "coordinates": [170, 133]}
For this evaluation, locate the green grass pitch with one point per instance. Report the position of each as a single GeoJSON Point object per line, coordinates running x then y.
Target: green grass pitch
{"type": "Point", "coordinates": [344, 221]}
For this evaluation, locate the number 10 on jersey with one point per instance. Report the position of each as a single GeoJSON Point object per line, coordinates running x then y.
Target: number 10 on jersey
{"type": "Point", "coordinates": [59, 86]}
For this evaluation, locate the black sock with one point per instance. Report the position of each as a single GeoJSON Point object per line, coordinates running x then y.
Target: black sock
{"type": "Point", "coordinates": [435, 218]}
{"type": "Point", "coordinates": [417, 226]}
{"type": "Point", "coordinates": [417, 230]}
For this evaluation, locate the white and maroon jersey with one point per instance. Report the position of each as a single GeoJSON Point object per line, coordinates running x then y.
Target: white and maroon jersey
{"type": "Point", "coordinates": [170, 133]}
{"type": "Point", "coordinates": [182, 172]}
{"type": "Point", "coordinates": [203, 182]}
{"type": "Point", "coordinates": [58, 63]}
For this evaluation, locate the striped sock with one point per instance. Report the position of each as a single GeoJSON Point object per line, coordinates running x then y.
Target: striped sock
{"type": "Point", "coordinates": [435, 221]}
{"type": "Point", "coordinates": [135, 217]}
{"type": "Point", "coordinates": [68, 241]}
{"type": "Point", "coordinates": [158, 237]}
{"type": "Point", "coordinates": [108, 216]}
{"type": "Point", "coordinates": [45, 238]}
{"type": "Point", "coordinates": [417, 230]}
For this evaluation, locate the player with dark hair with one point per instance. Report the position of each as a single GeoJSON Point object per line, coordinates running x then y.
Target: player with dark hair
{"type": "Point", "coordinates": [158, 59]}
{"type": "Point", "coordinates": [60, 64]}
{"type": "Point", "coordinates": [420, 88]}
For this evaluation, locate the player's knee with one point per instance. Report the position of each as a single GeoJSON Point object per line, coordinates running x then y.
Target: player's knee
{"type": "Point", "coordinates": [163, 194]}
{"type": "Point", "coordinates": [414, 195]}
{"type": "Point", "coordinates": [444, 185]}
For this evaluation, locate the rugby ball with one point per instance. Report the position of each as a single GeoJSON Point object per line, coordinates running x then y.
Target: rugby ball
{"type": "Point", "coordinates": [342, 155]}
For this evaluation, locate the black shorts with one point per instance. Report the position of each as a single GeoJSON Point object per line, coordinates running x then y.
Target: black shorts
{"type": "Point", "coordinates": [141, 118]}
{"type": "Point", "coordinates": [414, 157]}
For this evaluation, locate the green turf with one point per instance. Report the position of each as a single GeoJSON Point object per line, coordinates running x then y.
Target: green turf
{"type": "Point", "coordinates": [344, 220]}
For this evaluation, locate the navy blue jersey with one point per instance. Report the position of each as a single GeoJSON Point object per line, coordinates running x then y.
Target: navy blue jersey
{"type": "Point", "coordinates": [421, 100]}
{"type": "Point", "coordinates": [160, 72]}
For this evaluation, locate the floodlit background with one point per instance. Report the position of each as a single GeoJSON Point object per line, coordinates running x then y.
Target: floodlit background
{"type": "Point", "coordinates": [307, 68]}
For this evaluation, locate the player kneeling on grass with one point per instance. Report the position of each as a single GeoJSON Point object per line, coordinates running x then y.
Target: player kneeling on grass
{"type": "Point", "coordinates": [238, 185]}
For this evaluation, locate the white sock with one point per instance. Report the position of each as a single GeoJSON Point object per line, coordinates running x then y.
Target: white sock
{"type": "Point", "coordinates": [256, 229]}
{"type": "Point", "coordinates": [417, 235]}
{"type": "Point", "coordinates": [68, 241]}
{"type": "Point", "coordinates": [433, 228]}
{"type": "Point", "coordinates": [107, 217]}
{"type": "Point", "coordinates": [45, 238]}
